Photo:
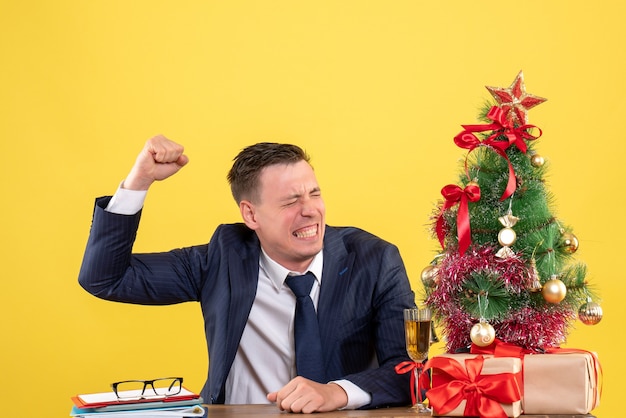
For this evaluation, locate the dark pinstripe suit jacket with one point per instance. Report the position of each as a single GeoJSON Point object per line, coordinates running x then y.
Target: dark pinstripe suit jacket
{"type": "Point", "coordinates": [364, 291]}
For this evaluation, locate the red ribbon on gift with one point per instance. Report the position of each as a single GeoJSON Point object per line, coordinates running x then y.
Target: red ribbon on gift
{"type": "Point", "coordinates": [483, 393]}
{"type": "Point", "coordinates": [501, 126]}
{"type": "Point", "coordinates": [412, 367]}
{"type": "Point", "coordinates": [500, 348]}
{"type": "Point", "coordinates": [453, 194]}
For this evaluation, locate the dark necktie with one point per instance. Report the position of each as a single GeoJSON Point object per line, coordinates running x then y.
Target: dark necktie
{"type": "Point", "coordinates": [309, 361]}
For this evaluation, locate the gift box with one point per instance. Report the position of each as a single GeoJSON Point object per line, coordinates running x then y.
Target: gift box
{"type": "Point", "coordinates": [561, 383]}
{"type": "Point", "coordinates": [475, 385]}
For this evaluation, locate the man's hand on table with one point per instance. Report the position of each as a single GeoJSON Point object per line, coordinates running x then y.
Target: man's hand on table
{"type": "Point", "coordinates": [305, 396]}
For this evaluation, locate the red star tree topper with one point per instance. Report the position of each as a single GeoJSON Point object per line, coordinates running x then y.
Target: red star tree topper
{"type": "Point", "coordinates": [514, 100]}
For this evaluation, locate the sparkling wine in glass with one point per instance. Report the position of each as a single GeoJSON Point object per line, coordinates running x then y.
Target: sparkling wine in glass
{"type": "Point", "coordinates": [417, 332]}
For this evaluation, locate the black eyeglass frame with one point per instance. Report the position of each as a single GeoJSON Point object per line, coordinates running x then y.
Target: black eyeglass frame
{"type": "Point", "coordinates": [149, 383]}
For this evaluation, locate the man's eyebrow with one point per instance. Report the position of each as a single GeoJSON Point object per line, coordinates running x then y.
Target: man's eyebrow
{"type": "Point", "coordinates": [296, 195]}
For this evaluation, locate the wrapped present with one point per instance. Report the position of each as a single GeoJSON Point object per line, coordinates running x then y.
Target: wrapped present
{"type": "Point", "coordinates": [562, 382]}
{"type": "Point", "coordinates": [475, 385]}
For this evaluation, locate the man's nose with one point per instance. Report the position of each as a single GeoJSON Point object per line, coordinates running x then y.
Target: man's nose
{"type": "Point", "coordinates": [308, 207]}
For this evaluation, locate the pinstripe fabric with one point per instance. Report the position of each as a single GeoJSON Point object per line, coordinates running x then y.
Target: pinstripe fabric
{"type": "Point", "coordinates": [364, 291]}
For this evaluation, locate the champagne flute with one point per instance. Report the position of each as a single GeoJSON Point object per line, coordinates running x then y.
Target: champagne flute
{"type": "Point", "coordinates": [417, 327]}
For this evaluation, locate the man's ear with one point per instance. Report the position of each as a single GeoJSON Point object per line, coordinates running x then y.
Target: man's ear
{"type": "Point", "coordinates": [248, 214]}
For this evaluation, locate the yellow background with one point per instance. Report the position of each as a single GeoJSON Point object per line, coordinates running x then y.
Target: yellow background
{"type": "Point", "coordinates": [374, 90]}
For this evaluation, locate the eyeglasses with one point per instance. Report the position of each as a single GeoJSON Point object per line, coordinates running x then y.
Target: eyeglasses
{"type": "Point", "coordinates": [156, 388]}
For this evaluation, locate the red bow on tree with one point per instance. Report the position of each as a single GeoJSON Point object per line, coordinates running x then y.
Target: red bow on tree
{"type": "Point", "coordinates": [501, 126]}
{"type": "Point", "coordinates": [454, 194]}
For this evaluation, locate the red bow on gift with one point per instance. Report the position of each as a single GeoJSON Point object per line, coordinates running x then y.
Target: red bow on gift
{"type": "Point", "coordinates": [501, 126]}
{"type": "Point", "coordinates": [483, 393]}
{"type": "Point", "coordinates": [453, 194]}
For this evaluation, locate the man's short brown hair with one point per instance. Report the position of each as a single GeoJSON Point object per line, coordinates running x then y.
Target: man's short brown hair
{"type": "Point", "coordinates": [243, 177]}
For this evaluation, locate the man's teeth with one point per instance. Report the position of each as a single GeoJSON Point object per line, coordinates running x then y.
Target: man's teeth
{"type": "Point", "coordinates": [306, 233]}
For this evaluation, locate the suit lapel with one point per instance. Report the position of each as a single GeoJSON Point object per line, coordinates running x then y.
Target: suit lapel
{"type": "Point", "coordinates": [336, 276]}
{"type": "Point", "coordinates": [243, 272]}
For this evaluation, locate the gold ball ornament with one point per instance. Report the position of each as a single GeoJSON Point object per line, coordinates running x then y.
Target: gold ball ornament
{"type": "Point", "coordinates": [569, 242]}
{"type": "Point", "coordinates": [554, 290]}
{"type": "Point", "coordinates": [482, 334]}
{"type": "Point", "coordinates": [590, 313]}
{"type": "Point", "coordinates": [429, 275]}
{"type": "Point", "coordinates": [537, 160]}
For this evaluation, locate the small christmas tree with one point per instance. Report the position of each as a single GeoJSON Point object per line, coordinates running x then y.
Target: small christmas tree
{"type": "Point", "coordinates": [507, 267]}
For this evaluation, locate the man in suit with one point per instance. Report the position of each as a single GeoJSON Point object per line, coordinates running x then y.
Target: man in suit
{"type": "Point", "coordinates": [360, 287]}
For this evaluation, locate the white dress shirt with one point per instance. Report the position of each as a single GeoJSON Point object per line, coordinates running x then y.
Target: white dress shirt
{"type": "Point", "coordinates": [267, 345]}
{"type": "Point", "coordinates": [265, 359]}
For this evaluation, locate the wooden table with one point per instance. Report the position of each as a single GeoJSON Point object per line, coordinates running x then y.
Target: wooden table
{"type": "Point", "coordinates": [268, 411]}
